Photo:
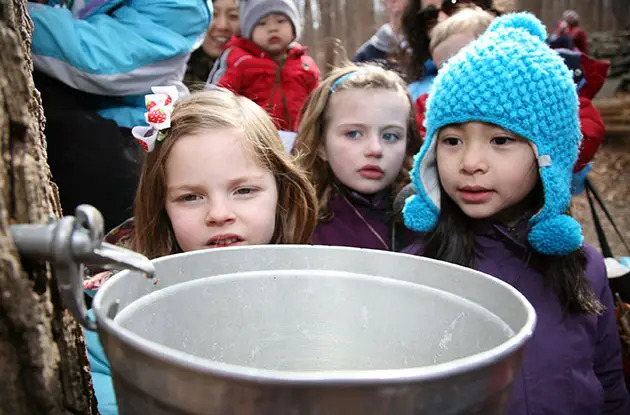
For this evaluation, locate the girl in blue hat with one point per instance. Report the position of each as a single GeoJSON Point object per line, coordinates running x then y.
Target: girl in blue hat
{"type": "Point", "coordinates": [492, 184]}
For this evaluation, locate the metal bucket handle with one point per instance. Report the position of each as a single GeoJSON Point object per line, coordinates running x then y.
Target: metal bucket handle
{"type": "Point", "coordinates": [68, 244]}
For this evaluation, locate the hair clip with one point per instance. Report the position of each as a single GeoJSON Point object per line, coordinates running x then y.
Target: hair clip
{"type": "Point", "coordinates": [342, 78]}
{"type": "Point", "coordinates": [158, 116]}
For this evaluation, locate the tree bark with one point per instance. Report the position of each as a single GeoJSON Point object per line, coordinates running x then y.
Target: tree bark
{"type": "Point", "coordinates": [43, 362]}
{"type": "Point", "coordinates": [326, 11]}
{"type": "Point", "coordinates": [309, 30]}
{"type": "Point", "coordinates": [353, 25]}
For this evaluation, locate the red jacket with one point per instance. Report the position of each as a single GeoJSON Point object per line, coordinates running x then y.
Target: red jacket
{"type": "Point", "coordinates": [280, 88]}
{"type": "Point", "coordinates": [421, 108]}
{"type": "Point", "coordinates": [591, 122]}
{"type": "Point", "coordinates": [593, 129]}
{"type": "Point", "coordinates": [578, 35]}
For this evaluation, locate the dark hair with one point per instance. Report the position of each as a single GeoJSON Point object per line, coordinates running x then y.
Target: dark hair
{"type": "Point", "coordinates": [416, 25]}
{"type": "Point", "coordinates": [417, 22]}
{"type": "Point", "coordinates": [453, 241]}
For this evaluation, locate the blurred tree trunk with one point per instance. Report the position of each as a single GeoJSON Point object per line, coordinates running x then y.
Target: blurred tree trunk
{"type": "Point", "coordinates": [621, 12]}
{"type": "Point", "coordinates": [309, 27]}
{"type": "Point", "coordinates": [326, 11]}
{"type": "Point", "coordinates": [340, 19]}
{"type": "Point", "coordinates": [595, 16]}
{"type": "Point", "coordinates": [43, 362]}
{"type": "Point", "coordinates": [352, 26]}
{"type": "Point", "coordinates": [366, 16]}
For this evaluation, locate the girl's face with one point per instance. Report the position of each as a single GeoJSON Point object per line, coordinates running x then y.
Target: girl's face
{"type": "Point", "coordinates": [217, 194]}
{"type": "Point", "coordinates": [225, 23]}
{"type": "Point", "coordinates": [485, 169]}
{"type": "Point", "coordinates": [366, 137]}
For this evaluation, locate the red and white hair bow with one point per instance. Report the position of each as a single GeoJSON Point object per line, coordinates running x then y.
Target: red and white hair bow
{"type": "Point", "coordinates": [158, 116]}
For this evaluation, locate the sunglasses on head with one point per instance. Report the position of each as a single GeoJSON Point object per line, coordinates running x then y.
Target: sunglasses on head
{"type": "Point", "coordinates": [449, 7]}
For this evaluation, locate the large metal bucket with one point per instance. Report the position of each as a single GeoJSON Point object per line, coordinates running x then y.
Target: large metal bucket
{"type": "Point", "coordinates": [285, 330]}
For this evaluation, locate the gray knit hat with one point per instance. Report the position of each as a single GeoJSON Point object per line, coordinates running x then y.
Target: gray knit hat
{"type": "Point", "coordinates": [254, 10]}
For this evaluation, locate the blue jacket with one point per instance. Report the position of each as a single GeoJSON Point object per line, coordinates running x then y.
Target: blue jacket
{"type": "Point", "coordinates": [422, 86]}
{"type": "Point", "coordinates": [572, 364]}
{"type": "Point", "coordinates": [101, 373]}
{"type": "Point", "coordinates": [118, 49]}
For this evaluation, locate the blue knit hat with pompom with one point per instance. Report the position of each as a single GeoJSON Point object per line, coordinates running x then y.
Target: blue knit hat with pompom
{"type": "Point", "coordinates": [508, 77]}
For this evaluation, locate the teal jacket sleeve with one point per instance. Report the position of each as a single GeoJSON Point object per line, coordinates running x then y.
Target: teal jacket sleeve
{"type": "Point", "coordinates": [101, 374]}
{"type": "Point", "coordinates": [123, 47]}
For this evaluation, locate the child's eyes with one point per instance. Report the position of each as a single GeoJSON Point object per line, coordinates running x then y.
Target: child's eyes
{"type": "Point", "coordinates": [245, 191]}
{"type": "Point", "coordinates": [353, 134]}
{"type": "Point", "coordinates": [451, 141]}
{"type": "Point", "coordinates": [189, 197]}
{"type": "Point", "coordinates": [501, 140]}
{"type": "Point", "coordinates": [391, 136]}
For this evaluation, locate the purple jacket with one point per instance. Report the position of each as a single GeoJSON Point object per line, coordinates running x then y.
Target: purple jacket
{"type": "Point", "coordinates": [571, 365]}
{"type": "Point", "coordinates": [358, 219]}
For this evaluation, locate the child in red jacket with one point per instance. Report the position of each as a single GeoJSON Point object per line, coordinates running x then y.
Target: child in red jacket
{"type": "Point", "coordinates": [266, 64]}
{"type": "Point", "coordinates": [589, 75]}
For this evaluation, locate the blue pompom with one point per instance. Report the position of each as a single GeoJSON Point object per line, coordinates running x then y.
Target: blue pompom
{"type": "Point", "coordinates": [419, 215]}
{"type": "Point", "coordinates": [558, 235]}
{"type": "Point", "coordinates": [525, 21]}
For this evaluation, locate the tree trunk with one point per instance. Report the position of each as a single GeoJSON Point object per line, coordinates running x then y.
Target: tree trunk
{"type": "Point", "coordinates": [352, 26]}
{"type": "Point", "coordinates": [366, 16]}
{"type": "Point", "coordinates": [43, 362]}
{"type": "Point", "coordinates": [309, 29]}
{"type": "Point", "coordinates": [326, 11]}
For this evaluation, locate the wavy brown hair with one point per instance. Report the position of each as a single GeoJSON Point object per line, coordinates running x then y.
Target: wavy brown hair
{"type": "Point", "coordinates": [296, 213]}
{"type": "Point", "coordinates": [314, 120]}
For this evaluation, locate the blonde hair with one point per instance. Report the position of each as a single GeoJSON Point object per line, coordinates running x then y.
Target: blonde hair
{"type": "Point", "coordinates": [314, 122]}
{"type": "Point", "coordinates": [468, 20]}
{"type": "Point", "coordinates": [296, 213]}
{"type": "Point", "coordinates": [571, 17]}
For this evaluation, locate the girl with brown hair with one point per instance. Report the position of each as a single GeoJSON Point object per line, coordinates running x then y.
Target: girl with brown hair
{"type": "Point", "coordinates": [356, 139]}
{"type": "Point", "coordinates": [217, 176]}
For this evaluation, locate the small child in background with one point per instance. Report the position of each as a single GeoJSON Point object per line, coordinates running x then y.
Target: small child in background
{"type": "Point", "coordinates": [493, 190]}
{"type": "Point", "coordinates": [589, 76]}
{"type": "Point", "coordinates": [266, 64]}
{"type": "Point", "coordinates": [357, 137]}
{"type": "Point", "coordinates": [447, 38]}
{"type": "Point", "coordinates": [217, 176]}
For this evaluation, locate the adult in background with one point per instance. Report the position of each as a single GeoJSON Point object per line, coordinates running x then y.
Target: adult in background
{"type": "Point", "coordinates": [387, 39]}
{"type": "Point", "coordinates": [569, 26]}
{"type": "Point", "coordinates": [94, 62]}
{"type": "Point", "coordinates": [225, 23]}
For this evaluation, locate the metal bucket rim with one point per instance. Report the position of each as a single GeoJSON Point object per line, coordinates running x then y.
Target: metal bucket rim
{"type": "Point", "coordinates": [329, 377]}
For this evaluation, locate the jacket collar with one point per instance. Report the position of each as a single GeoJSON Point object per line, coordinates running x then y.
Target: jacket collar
{"type": "Point", "coordinates": [514, 236]}
{"type": "Point", "coordinates": [376, 202]}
